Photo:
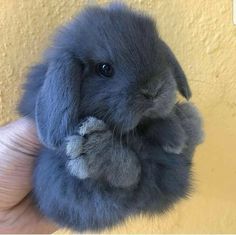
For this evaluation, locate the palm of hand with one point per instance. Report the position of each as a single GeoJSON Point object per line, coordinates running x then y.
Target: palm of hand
{"type": "Point", "coordinates": [18, 149]}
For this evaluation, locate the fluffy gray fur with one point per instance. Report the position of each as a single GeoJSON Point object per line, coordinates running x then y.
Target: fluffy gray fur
{"type": "Point", "coordinates": [99, 154]}
{"type": "Point", "coordinates": [112, 147]}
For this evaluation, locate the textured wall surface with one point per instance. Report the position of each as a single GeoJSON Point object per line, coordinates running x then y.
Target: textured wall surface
{"type": "Point", "coordinates": [203, 37]}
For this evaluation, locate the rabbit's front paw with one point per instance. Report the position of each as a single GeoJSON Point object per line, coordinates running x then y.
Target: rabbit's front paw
{"type": "Point", "coordinates": [169, 134]}
{"type": "Point", "coordinates": [191, 122]}
{"type": "Point", "coordinates": [84, 148]}
{"type": "Point", "coordinates": [175, 146]}
{"type": "Point", "coordinates": [77, 145]}
{"type": "Point", "coordinates": [95, 153]}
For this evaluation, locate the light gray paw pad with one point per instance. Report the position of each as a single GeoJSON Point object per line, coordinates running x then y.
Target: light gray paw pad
{"type": "Point", "coordinates": [78, 167]}
{"type": "Point", "coordinates": [90, 125]}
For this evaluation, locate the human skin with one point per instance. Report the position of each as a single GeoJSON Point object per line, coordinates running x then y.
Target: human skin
{"type": "Point", "coordinates": [18, 150]}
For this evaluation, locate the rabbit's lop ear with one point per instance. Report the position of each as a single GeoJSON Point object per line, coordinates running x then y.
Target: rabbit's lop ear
{"type": "Point", "coordinates": [58, 100]}
{"type": "Point", "coordinates": [177, 71]}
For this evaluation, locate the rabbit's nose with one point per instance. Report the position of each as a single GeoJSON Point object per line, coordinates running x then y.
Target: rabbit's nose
{"type": "Point", "coordinates": [150, 93]}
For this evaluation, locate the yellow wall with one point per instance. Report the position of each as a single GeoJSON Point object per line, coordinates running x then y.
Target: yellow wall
{"type": "Point", "coordinates": [203, 37]}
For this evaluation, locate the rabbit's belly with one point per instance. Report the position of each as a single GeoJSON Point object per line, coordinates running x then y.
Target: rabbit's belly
{"type": "Point", "coordinates": [93, 204]}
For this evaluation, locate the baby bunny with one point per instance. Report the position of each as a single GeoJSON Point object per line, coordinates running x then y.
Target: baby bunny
{"type": "Point", "coordinates": [115, 142]}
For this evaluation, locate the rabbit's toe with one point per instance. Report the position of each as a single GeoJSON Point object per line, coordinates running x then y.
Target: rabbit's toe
{"type": "Point", "coordinates": [74, 145]}
{"type": "Point", "coordinates": [78, 167]}
{"type": "Point", "coordinates": [90, 125]}
{"type": "Point", "coordinates": [172, 148]}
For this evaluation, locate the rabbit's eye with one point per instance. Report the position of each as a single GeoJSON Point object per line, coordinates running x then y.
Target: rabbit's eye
{"type": "Point", "coordinates": [104, 69]}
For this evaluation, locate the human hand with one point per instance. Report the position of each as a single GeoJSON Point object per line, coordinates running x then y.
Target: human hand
{"type": "Point", "coordinates": [18, 150]}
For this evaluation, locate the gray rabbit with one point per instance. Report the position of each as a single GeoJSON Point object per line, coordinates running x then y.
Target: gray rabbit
{"type": "Point", "coordinates": [115, 142]}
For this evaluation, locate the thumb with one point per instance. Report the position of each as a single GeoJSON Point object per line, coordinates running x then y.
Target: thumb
{"type": "Point", "coordinates": [21, 135]}
{"type": "Point", "coordinates": [18, 147]}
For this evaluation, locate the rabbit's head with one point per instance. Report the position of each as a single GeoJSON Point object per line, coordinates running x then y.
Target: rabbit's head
{"type": "Point", "coordinates": [109, 63]}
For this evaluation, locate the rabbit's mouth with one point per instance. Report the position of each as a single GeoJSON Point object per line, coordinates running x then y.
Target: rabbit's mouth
{"type": "Point", "coordinates": [131, 118]}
